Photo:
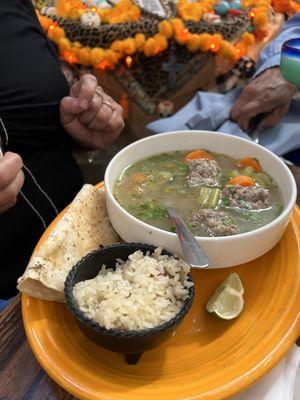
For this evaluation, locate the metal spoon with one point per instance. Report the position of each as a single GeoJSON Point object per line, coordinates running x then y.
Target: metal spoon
{"type": "Point", "coordinates": [254, 127]}
{"type": "Point", "coordinates": [255, 136]}
{"type": "Point", "coordinates": [193, 253]}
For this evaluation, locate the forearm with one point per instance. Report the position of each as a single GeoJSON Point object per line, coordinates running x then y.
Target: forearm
{"type": "Point", "coordinates": [270, 56]}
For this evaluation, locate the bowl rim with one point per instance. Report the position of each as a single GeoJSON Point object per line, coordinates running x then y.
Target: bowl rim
{"type": "Point", "coordinates": [291, 46]}
{"type": "Point", "coordinates": [122, 333]}
{"type": "Point", "coordinates": [281, 217]}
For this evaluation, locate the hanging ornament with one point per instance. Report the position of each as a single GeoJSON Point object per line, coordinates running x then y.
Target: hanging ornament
{"type": "Point", "coordinates": [221, 8]}
{"type": "Point", "coordinates": [236, 5]}
{"type": "Point", "coordinates": [90, 20]}
{"type": "Point", "coordinates": [234, 13]}
{"type": "Point", "coordinates": [165, 108]}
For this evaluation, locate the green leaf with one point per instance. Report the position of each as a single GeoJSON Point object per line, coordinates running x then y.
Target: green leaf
{"type": "Point", "coordinates": [225, 201]}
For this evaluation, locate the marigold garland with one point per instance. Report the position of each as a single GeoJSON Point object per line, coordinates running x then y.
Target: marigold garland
{"type": "Point", "coordinates": [194, 11]}
{"type": "Point", "coordinates": [126, 11]}
{"type": "Point", "coordinates": [286, 6]}
{"type": "Point", "coordinates": [74, 52]}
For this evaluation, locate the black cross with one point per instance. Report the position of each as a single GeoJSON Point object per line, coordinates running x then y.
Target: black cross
{"type": "Point", "coordinates": [173, 68]}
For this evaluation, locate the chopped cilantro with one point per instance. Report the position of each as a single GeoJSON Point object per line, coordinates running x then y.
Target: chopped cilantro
{"type": "Point", "coordinates": [225, 201]}
{"type": "Point", "coordinates": [251, 216]}
{"type": "Point", "coordinates": [228, 221]}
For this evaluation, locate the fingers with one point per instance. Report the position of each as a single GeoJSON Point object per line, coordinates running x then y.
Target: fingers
{"type": "Point", "coordinates": [8, 196]}
{"type": "Point", "coordinates": [244, 111]}
{"type": "Point", "coordinates": [108, 124]}
{"type": "Point", "coordinates": [84, 90]}
{"type": "Point", "coordinates": [245, 118]}
{"type": "Point", "coordinates": [11, 180]}
{"type": "Point", "coordinates": [102, 118]}
{"type": "Point", "coordinates": [274, 117]}
{"type": "Point", "coordinates": [89, 115]}
{"type": "Point", "coordinates": [103, 115]}
{"type": "Point", "coordinates": [115, 125]}
{"type": "Point", "coordinates": [10, 165]}
{"type": "Point", "coordinates": [265, 94]}
{"type": "Point", "coordinates": [69, 109]}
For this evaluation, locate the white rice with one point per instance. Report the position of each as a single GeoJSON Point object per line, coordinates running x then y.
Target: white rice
{"type": "Point", "coordinates": [143, 292]}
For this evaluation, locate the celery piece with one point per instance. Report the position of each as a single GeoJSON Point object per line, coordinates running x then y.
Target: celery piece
{"type": "Point", "coordinates": [263, 179]}
{"type": "Point", "coordinates": [204, 196]}
{"type": "Point", "coordinates": [209, 197]}
{"type": "Point", "coordinates": [248, 171]}
{"type": "Point", "coordinates": [214, 198]}
{"type": "Point", "coordinates": [260, 181]}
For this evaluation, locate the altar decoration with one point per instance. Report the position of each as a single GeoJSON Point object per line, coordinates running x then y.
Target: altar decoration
{"type": "Point", "coordinates": [149, 52]}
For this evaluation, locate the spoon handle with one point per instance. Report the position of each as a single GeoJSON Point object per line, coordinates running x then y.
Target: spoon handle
{"type": "Point", "coordinates": [193, 253]}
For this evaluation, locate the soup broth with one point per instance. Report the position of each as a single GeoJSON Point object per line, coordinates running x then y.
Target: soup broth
{"type": "Point", "coordinates": [208, 191]}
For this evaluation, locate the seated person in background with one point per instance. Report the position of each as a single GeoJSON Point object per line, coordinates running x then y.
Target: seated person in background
{"type": "Point", "coordinates": [268, 93]}
{"type": "Point", "coordinates": [43, 118]}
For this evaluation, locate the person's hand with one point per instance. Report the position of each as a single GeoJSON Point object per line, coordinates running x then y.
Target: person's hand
{"type": "Point", "coordinates": [91, 117]}
{"type": "Point", "coordinates": [268, 94]}
{"type": "Point", "coordinates": [11, 180]}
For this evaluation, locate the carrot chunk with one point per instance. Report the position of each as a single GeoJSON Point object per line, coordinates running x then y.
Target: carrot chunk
{"type": "Point", "coordinates": [249, 162]}
{"type": "Point", "coordinates": [242, 180]}
{"type": "Point", "coordinates": [198, 154]}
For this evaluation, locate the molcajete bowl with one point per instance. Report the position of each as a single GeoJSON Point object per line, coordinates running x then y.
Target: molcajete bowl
{"type": "Point", "coordinates": [129, 342]}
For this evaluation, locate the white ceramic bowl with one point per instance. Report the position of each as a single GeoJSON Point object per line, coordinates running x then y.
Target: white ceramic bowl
{"type": "Point", "coordinates": [222, 251]}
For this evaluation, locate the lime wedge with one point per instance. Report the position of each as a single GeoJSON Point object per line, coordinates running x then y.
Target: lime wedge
{"type": "Point", "coordinates": [234, 282]}
{"type": "Point", "coordinates": [227, 302]}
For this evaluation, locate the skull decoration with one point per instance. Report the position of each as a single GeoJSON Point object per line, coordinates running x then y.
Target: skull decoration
{"type": "Point", "coordinates": [165, 108]}
{"type": "Point", "coordinates": [212, 18]}
{"type": "Point", "coordinates": [90, 20]}
{"type": "Point", "coordinates": [49, 11]}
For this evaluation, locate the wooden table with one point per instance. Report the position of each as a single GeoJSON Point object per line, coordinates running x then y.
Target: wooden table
{"type": "Point", "coordinates": [21, 377]}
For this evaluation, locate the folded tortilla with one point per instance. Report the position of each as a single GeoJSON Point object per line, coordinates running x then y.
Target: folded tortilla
{"type": "Point", "coordinates": [84, 227]}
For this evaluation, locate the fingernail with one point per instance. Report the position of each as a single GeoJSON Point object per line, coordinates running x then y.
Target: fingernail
{"type": "Point", "coordinates": [84, 104]}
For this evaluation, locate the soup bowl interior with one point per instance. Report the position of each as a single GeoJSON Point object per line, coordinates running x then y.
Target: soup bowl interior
{"type": "Point", "coordinates": [132, 343]}
{"type": "Point", "coordinates": [223, 251]}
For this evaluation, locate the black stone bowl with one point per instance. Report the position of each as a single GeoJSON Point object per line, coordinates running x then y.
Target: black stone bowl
{"type": "Point", "coordinates": [131, 343]}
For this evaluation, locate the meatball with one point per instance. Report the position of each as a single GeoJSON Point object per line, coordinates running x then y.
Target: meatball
{"type": "Point", "coordinates": [216, 223]}
{"type": "Point", "coordinates": [203, 172]}
{"type": "Point", "coordinates": [250, 197]}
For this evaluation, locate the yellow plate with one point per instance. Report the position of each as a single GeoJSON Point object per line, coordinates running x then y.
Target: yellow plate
{"type": "Point", "coordinates": [207, 358]}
